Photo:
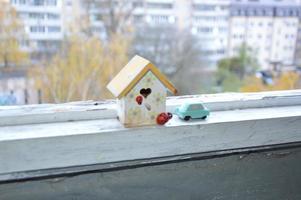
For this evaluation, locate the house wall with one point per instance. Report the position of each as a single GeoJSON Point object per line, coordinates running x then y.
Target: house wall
{"type": "Point", "coordinates": [120, 110]}
{"type": "Point", "coordinates": [139, 114]}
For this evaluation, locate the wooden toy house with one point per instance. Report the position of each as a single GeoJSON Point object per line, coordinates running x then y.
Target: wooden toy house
{"type": "Point", "coordinates": [140, 89]}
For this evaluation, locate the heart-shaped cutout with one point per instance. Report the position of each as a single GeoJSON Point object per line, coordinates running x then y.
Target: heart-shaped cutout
{"type": "Point", "coordinates": [145, 92]}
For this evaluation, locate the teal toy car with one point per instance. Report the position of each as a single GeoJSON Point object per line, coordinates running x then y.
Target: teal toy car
{"type": "Point", "coordinates": [192, 111]}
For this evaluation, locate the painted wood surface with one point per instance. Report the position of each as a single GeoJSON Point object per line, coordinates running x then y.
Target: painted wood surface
{"type": "Point", "coordinates": [134, 71]}
{"type": "Point", "coordinates": [92, 110]}
{"type": "Point", "coordinates": [43, 139]}
{"type": "Point", "coordinates": [84, 133]}
{"type": "Point", "coordinates": [54, 145]}
{"type": "Point", "coordinates": [151, 106]}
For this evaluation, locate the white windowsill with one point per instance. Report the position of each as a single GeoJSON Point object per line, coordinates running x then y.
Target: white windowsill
{"type": "Point", "coordinates": [53, 136]}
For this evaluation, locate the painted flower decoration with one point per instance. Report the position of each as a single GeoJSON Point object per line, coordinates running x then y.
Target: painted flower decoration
{"type": "Point", "coordinates": [158, 98]}
{"type": "Point", "coordinates": [153, 115]}
{"type": "Point", "coordinates": [135, 114]}
{"type": "Point", "coordinates": [131, 95]}
{"type": "Point", "coordinates": [149, 80]}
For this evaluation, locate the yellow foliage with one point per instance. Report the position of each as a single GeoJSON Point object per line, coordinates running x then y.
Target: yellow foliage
{"type": "Point", "coordinates": [253, 84]}
{"type": "Point", "coordinates": [11, 33]}
{"type": "Point", "coordinates": [286, 81]}
{"type": "Point", "coordinates": [82, 70]}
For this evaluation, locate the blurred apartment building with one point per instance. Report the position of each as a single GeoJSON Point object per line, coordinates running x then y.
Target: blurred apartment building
{"type": "Point", "coordinates": [210, 23]}
{"type": "Point", "coordinates": [298, 46]}
{"type": "Point", "coordinates": [270, 27]}
{"type": "Point", "coordinates": [206, 19]}
{"type": "Point", "coordinates": [43, 25]}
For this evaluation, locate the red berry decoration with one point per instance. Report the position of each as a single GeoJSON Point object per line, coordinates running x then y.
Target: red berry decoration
{"type": "Point", "coordinates": [160, 120]}
{"type": "Point", "coordinates": [139, 99]}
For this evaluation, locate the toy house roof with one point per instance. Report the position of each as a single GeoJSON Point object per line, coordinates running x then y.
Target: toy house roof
{"type": "Point", "coordinates": [130, 75]}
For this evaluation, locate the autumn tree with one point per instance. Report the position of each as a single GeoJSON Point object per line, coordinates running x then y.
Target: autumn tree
{"type": "Point", "coordinates": [11, 34]}
{"type": "Point", "coordinates": [116, 16]}
{"type": "Point", "coordinates": [284, 81]}
{"type": "Point", "coordinates": [232, 71]}
{"type": "Point", "coordinates": [86, 62]}
{"type": "Point", "coordinates": [81, 70]}
{"type": "Point", "coordinates": [176, 52]}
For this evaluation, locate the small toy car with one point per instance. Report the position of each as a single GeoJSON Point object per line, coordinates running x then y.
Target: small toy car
{"type": "Point", "coordinates": [192, 111]}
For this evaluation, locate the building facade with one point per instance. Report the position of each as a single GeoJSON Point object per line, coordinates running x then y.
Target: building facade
{"type": "Point", "coordinates": [269, 27]}
{"type": "Point", "coordinates": [43, 24]}
{"type": "Point", "coordinates": [210, 23]}
{"type": "Point", "coordinates": [205, 19]}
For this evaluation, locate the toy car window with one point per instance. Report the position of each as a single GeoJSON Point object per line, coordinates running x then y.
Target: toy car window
{"type": "Point", "coordinates": [194, 107]}
{"type": "Point", "coordinates": [201, 106]}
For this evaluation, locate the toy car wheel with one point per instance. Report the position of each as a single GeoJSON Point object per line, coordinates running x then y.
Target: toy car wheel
{"type": "Point", "coordinates": [204, 117]}
{"type": "Point", "coordinates": [186, 118]}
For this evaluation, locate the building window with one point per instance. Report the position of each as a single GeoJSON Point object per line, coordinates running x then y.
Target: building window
{"type": "Point", "coordinates": [69, 3]}
{"type": "Point", "coordinates": [51, 2]}
{"type": "Point", "coordinates": [54, 29]}
{"type": "Point", "coordinates": [204, 30]}
{"type": "Point", "coordinates": [138, 18]}
{"type": "Point", "coordinates": [220, 52]}
{"type": "Point", "coordinates": [22, 2]}
{"type": "Point", "coordinates": [223, 29]}
{"type": "Point", "coordinates": [202, 7]}
{"type": "Point", "coordinates": [23, 15]}
{"type": "Point", "coordinates": [159, 19]}
{"type": "Point", "coordinates": [36, 15]}
{"type": "Point", "coordinates": [137, 4]}
{"type": "Point", "coordinates": [24, 43]}
{"type": "Point", "coordinates": [224, 7]}
{"type": "Point", "coordinates": [159, 5]}
{"type": "Point", "coordinates": [53, 16]}
{"type": "Point", "coordinates": [38, 2]}
{"type": "Point", "coordinates": [36, 29]}
{"type": "Point", "coordinates": [97, 29]}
